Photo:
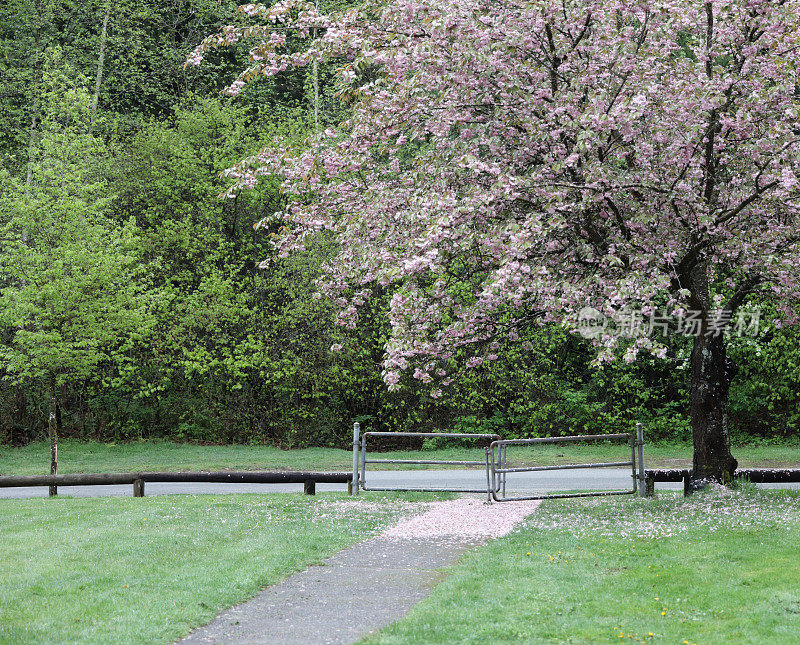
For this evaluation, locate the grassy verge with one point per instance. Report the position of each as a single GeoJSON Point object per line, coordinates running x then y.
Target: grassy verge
{"type": "Point", "coordinates": [712, 569]}
{"type": "Point", "coordinates": [148, 570]}
{"type": "Point", "coordinates": [94, 457]}
{"type": "Point", "coordinates": [90, 457]}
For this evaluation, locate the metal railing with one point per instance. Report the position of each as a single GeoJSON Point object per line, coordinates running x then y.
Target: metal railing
{"type": "Point", "coordinates": [498, 470]}
{"type": "Point", "coordinates": [360, 460]}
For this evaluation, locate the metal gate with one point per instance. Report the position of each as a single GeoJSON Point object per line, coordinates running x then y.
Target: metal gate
{"type": "Point", "coordinates": [498, 470]}
{"type": "Point", "coordinates": [360, 460]}
{"type": "Point", "coordinates": [495, 461]}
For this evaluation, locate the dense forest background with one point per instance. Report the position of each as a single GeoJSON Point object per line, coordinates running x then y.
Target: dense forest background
{"type": "Point", "coordinates": [132, 304]}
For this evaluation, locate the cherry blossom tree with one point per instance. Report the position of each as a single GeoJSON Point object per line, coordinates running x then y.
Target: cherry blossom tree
{"type": "Point", "coordinates": [508, 161]}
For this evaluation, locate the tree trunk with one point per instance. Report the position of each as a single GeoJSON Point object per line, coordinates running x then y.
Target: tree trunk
{"type": "Point", "coordinates": [52, 430]}
{"type": "Point", "coordinates": [36, 105]}
{"type": "Point", "coordinates": [100, 60]}
{"type": "Point", "coordinates": [711, 375]}
{"type": "Point", "coordinates": [316, 81]}
{"type": "Point", "coordinates": [21, 406]}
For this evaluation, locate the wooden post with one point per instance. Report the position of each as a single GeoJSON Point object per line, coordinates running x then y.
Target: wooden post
{"type": "Point", "coordinates": [649, 486]}
{"type": "Point", "coordinates": [310, 487]}
{"type": "Point", "coordinates": [640, 458]}
{"type": "Point", "coordinates": [52, 431]}
{"type": "Point", "coordinates": [138, 488]}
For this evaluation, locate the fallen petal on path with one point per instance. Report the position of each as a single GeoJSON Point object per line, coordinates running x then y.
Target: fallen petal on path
{"type": "Point", "coordinates": [464, 518]}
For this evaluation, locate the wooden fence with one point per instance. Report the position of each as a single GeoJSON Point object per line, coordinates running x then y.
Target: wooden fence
{"type": "Point", "coordinates": [138, 480]}
{"type": "Point", "coordinates": [754, 475]}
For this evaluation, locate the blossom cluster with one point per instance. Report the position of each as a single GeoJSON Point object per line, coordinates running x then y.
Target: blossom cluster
{"type": "Point", "coordinates": [505, 162]}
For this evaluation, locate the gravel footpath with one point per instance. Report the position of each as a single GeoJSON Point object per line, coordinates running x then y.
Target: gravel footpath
{"type": "Point", "coordinates": [368, 586]}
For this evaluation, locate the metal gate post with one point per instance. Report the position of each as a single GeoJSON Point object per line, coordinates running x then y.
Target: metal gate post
{"type": "Point", "coordinates": [504, 466]}
{"type": "Point", "coordinates": [640, 445]}
{"type": "Point", "coordinates": [488, 476]}
{"type": "Point", "coordinates": [363, 458]}
{"type": "Point", "coordinates": [356, 443]}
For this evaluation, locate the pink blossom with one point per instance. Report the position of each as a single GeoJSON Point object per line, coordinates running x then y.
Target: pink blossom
{"type": "Point", "coordinates": [601, 172]}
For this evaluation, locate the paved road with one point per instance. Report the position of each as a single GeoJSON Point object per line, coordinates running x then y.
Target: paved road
{"type": "Point", "coordinates": [518, 483]}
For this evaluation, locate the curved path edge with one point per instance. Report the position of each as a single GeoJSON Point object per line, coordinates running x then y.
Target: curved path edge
{"type": "Point", "coordinates": [367, 586]}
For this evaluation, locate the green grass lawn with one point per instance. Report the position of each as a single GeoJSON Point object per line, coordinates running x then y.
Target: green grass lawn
{"type": "Point", "coordinates": [713, 569]}
{"type": "Point", "coordinates": [92, 457]}
{"type": "Point", "coordinates": [148, 570]}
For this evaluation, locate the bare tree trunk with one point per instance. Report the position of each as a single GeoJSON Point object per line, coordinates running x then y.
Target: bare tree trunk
{"type": "Point", "coordinates": [21, 405]}
{"type": "Point", "coordinates": [316, 82]}
{"type": "Point", "coordinates": [52, 430]}
{"type": "Point", "coordinates": [36, 103]}
{"type": "Point", "coordinates": [18, 430]}
{"type": "Point", "coordinates": [100, 59]}
{"type": "Point", "coordinates": [316, 95]}
{"type": "Point", "coordinates": [711, 376]}
{"type": "Point", "coordinates": [29, 174]}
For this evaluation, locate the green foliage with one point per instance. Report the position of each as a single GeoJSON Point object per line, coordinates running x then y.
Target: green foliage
{"type": "Point", "coordinates": [129, 282]}
{"type": "Point", "coordinates": [240, 353]}
{"type": "Point", "coordinates": [70, 300]}
{"type": "Point", "coordinates": [765, 400]}
{"type": "Point", "coordinates": [544, 385]}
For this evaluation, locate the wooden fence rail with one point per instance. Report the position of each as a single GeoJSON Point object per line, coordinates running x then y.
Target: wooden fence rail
{"type": "Point", "coordinates": [754, 475]}
{"type": "Point", "coordinates": [138, 480]}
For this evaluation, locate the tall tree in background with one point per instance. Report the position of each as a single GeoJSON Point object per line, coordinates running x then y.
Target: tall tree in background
{"type": "Point", "coordinates": [515, 160]}
{"type": "Point", "coordinates": [69, 300]}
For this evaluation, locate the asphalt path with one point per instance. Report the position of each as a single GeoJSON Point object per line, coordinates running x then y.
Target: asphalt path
{"type": "Point", "coordinates": [517, 484]}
